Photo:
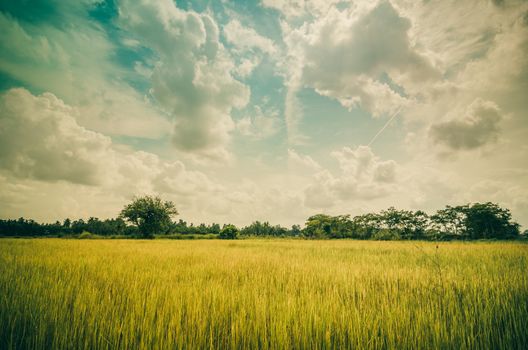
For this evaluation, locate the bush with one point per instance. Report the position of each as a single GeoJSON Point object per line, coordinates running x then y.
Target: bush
{"type": "Point", "coordinates": [229, 232]}
{"type": "Point", "coordinates": [87, 235]}
{"type": "Point", "coordinates": [386, 235]}
{"type": "Point", "coordinates": [187, 236]}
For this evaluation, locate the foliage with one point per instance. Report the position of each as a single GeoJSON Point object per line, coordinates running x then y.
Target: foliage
{"type": "Point", "coordinates": [450, 220]}
{"type": "Point", "coordinates": [326, 226]}
{"type": "Point", "coordinates": [366, 226]}
{"type": "Point", "coordinates": [189, 236]}
{"type": "Point", "coordinates": [259, 229]}
{"type": "Point", "coordinates": [466, 222]}
{"type": "Point", "coordinates": [181, 227]}
{"type": "Point", "coordinates": [87, 235]}
{"type": "Point", "coordinates": [488, 220]}
{"type": "Point", "coordinates": [386, 235]}
{"type": "Point", "coordinates": [150, 214]}
{"type": "Point", "coordinates": [229, 232]}
{"type": "Point", "coordinates": [476, 221]}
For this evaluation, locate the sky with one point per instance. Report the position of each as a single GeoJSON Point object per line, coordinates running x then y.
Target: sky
{"type": "Point", "coordinates": [270, 110]}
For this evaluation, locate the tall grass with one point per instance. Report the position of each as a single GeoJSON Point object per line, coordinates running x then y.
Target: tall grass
{"type": "Point", "coordinates": [283, 294]}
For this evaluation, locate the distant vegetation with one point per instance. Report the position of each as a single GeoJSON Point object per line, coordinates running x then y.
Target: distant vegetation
{"type": "Point", "coordinates": [147, 217]}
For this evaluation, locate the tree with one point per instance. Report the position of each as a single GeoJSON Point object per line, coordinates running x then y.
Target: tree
{"type": "Point", "coordinates": [214, 229]}
{"type": "Point", "coordinates": [404, 223]}
{"type": "Point", "coordinates": [476, 221]}
{"type": "Point", "coordinates": [229, 232]}
{"type": "Point", "coordinates": [451, 220]}
{"type": "Point", "coordinates": [295, 231]}
{"type": "Point", "coordinates": [150, 214]}
{"type": "Point", "coordinates": [366, 225]}
{"type": "Point", "coordinates": [326, 226]}
{"type": "Point", "coordinates": [489, 220]}
{"type": "Point", "coordinates": [318, 226]}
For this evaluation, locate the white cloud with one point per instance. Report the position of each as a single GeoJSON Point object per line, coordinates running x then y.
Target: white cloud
{"type": "Point", "coordinates": [348, 54]}
{"type": "Point", "coordinates": [51, 167]}
{"type": "Point", "coordinates": [478, 127]}
{"type": "Point", "coordinates": [120, 110]}
{"type": "Point", "coordinates": [293, 9]}
{"type": "Point", "coordinates": [385, 171]}
{"type": "Point", "coordinates": [245, 38]}
{"type": "Point", "coordinates": [291, 68]}
{"type": "Point", "coordinates": [361, 163]}
{"type": "Point", "coordinates": [77, 66]}
{"type": "Point", "coordinates": [246, 66]}
{"type": "Point", "coordinates": [320, 194]}
{"type": "Point", "coordinates": [359, 54]}
{"type": "Point", "coordinates": [363, 176]}
{"type": "Point", "coordinates": [193, 79]}
{"type": "Point", "coordinates": [55, 159]}
{"type": "Point", "coordinates": [302, 161]}
{"type": "Point", "coordinates": [260, 125]}
{"type": "Point", "coordinates": [41, 140]}
{"type": "Point", "coordinates": [462, 36]}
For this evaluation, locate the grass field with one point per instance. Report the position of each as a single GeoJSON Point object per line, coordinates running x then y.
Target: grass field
{"type": "Point", "coordinates": [283, 294]}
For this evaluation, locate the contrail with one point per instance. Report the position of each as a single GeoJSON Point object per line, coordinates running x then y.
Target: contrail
{"type": "Point", "coordinates": [384, 126]}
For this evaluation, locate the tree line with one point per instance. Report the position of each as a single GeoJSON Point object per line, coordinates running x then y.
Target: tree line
{"type": "Point", "coordinates": [149, 216]}
{"type": "Point", "coordinates": [466, 222]}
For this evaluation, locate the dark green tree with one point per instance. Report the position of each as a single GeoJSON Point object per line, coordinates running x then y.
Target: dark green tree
{"type": "Point", "coordinates": [404, 223]}
{"type": "Point", "coordinates": [214, 229]}
{"type": "Point", "coordinates": [295, 231]}
{"type": "Point", "coordinates": [318, 226]}
{"type": "Point", "coordinates": [229, 232]}
{"type": "Point", "coordinates": [150, 214]}
{"type": "Point", "coordinates": [489, 220]}
{"type": "Point", "coordinates": [326, 226]}
{"type": "Point", "coordinates": [366, 225]}
{"type": "Point", "coordinates": [451, 220]}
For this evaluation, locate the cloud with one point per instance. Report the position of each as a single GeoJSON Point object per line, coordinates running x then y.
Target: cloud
{"type": "Point", "coordinates": [320, 194]}
{"type": "Point", "coordinates": [117, 109]}
{"type": "Point", "coordinates": [245, 38]}
{"type": "Point", "coordinates": [156, 70]}
{"type": "Point", "coordinates": [41, 140]}
{"type": "Point", "coordinates": [385, 171]}
{"type": "Point", "coordinates": [359, 54]}
{"type": "Point", "coordinates": [293, 9]}
{"type": "Point", "coordinates": [251, 201]}
{"type": "Point", "coordinates": [303, 161]}
{"type": "Point", "coordinates": [260, 125]}
{"type": "Point", "coordinates": [246, 66]}
{"type": "Point", "coordinates": [77, 65]}
{"type": "Point", "coordinates": [363, 176]}
{"type": "Point", "coordinates": [361, 163]}
{"type": "Point", "coordinates": [51, 167]}
{"type": "Point", "coordinates": [192, 81]}
{"type": "Point", "coordinates": [355, 57]}
{"type": "Point", "coordinates": [478, 127]}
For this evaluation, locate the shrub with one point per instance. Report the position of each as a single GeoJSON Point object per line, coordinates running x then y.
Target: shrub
{"type": "Point", "coordinates": [87, 235]}
{"type": "Point", "coordinates": [229, 232]}
{"type": "Point", "coordinates": [386, 235]}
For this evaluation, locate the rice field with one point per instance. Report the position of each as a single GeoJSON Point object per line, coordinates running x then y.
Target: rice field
{"type": "Point", "coordinates": [262, 294]}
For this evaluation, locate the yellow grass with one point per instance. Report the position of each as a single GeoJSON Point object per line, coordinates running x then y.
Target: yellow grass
{"type": "Point", "coordinates": [262, 294]}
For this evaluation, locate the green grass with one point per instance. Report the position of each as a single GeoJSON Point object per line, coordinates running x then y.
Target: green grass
{"type": "Point", "coordinates": [163, 294]}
